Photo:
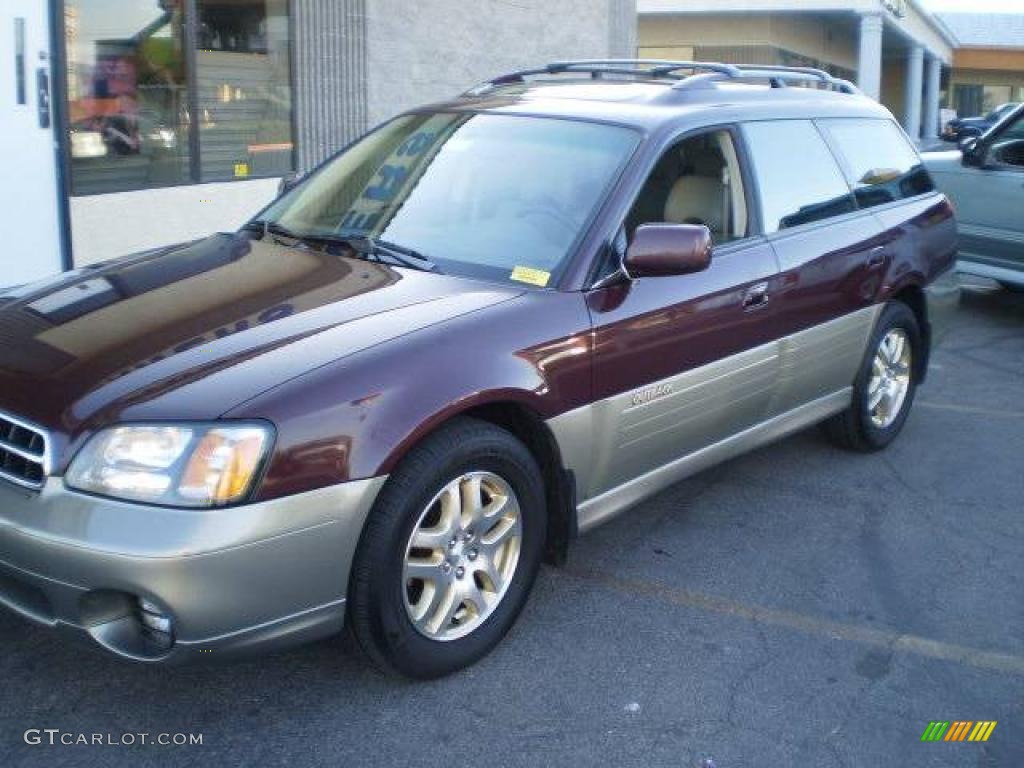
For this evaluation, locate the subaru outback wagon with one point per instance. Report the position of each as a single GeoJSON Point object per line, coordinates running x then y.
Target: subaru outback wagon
{"type": "Point", "coordinates": [485, 327]}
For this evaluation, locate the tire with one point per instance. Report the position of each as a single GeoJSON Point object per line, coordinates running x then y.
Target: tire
{"type": "Point", "coordinates": [859, 428]}
{"type": "Point", "coordinates": [384, 593]}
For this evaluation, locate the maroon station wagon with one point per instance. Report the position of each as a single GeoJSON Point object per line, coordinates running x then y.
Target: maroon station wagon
{"type": "Point", "coordinates": [480, 330]}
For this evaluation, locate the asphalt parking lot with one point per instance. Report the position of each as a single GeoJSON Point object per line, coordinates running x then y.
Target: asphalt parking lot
{"type": "Point", "coordinates": [800, 606]}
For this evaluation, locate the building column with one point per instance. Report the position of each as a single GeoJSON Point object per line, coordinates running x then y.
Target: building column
{"type": "Point", "coordinates": [330, 77]}
{"type": "Point", "coordinates": [912, 96]}
{"type": "Point", "coordinates": [933, 82]}
{"type": "Point", "coordinates": [622, 29]}
{"type": "Point", "coordinates": [869, 63]}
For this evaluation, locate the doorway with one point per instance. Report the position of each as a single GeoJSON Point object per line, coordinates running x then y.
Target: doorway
{"type": "Point", "coordinates": [30, 194]}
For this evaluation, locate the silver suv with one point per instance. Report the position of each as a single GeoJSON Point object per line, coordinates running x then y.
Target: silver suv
{"type": "Point", "coordinates": [985, 182]}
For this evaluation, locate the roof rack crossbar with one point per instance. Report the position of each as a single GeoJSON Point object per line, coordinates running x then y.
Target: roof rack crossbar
{"type": "Point", "coordinates": [644, 67]}
{"type": "Point", "coordinates": [641, 68]}
{"type": "Point", "coordinates": [704, 73]}
{"type": "Point", "coordinates": [777, 75]}
{"type": "Point", "coordinates": [818, 73]}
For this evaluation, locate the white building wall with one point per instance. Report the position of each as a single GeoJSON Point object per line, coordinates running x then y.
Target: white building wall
{"type": "Point", "coordinates": [105, 226]}
{"type": "Point", "coordinates": [435, 49]}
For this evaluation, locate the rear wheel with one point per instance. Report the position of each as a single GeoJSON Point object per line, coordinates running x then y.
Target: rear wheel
{"type": "Point", "coordinates": [450, 552]}
{"type": "Point", "coordinates": [884, 389]}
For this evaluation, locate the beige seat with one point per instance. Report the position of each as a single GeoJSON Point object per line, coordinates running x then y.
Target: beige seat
{"type": "Point", "coordinates": [697, 200]}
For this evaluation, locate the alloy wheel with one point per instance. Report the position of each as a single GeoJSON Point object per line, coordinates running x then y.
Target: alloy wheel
{"type": "Point", "coordinates": [890, 378]}
{"type": "Point", "coordinates": [462, 556]}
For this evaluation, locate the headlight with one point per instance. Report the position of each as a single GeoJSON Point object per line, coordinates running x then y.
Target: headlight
{"type": "Point", "coordinates": [180, 466]}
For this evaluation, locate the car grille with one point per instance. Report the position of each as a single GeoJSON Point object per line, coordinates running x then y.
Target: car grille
{"type": "Point", "coordinates": [23, 453]}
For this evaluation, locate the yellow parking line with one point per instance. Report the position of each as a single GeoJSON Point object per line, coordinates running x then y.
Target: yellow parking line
{"type": "Point", "coordinates": [881, 638]}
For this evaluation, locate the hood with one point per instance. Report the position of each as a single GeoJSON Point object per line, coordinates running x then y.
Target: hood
{"type": "Point", "coordinates": [190, 332]}
{"type": "Point", "coordinates": [948, 161]}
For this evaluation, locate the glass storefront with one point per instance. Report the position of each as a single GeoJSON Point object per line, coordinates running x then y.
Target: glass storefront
{"type": "Point", "coordinates": [137, 70]}
{"type": "Point", "coordinates": [127, 103]}
{"type": "Point", "coordinates": [242, 67]}
{"type": "Point", "coordinates": [973, 100]}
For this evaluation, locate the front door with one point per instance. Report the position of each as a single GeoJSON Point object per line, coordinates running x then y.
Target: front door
{"type": "Point", "coordinates": [683, 362]}
{"type": "Point", "coordinates": [29, 192]}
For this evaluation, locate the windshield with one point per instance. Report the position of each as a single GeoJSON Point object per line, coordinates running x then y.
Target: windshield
{"type": "Point", "coordinates": [491, 196]}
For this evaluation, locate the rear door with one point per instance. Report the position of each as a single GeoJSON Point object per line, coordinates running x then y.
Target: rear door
{"type": "Point", "coordinates": [888, 178]}
{"type": "Point", "coordinates": [831, 254]}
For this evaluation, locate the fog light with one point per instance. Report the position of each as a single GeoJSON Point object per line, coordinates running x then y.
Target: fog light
{"type": "Point", "coordinates": [153, 618]}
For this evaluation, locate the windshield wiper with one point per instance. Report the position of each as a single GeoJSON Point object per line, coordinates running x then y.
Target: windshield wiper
{"type": "Point", "coordinates": [372, 247]}
{"type": "Point", "coordinates": [366, 247]}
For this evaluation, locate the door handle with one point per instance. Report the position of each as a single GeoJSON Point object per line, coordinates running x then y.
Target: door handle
{"type": "Point", "coordinates": [43, 89]}
{"type": "Point", "coordinates": [877, 257]}
{"type": "Point", "coordinates": [19, 61]}
{"type": "Point", "coordinates": [755, 297]}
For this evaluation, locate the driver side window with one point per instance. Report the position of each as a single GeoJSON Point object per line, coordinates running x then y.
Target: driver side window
{"type": "Point", "coordinates": [697, 181]}
{"type": "Point", "coordinates": [1008, 149]}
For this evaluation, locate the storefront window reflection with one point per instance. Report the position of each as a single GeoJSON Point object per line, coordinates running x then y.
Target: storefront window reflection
{"type": "Point", "coordinates": [129, 105]}
{"type": "Point", "coordinates": [244, 94]}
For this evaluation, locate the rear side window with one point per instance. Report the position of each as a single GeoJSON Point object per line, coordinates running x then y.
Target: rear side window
{"type": "Point", "coordinates": [797, 176]}
{"type": "Point", "coordinates": [879, 163]}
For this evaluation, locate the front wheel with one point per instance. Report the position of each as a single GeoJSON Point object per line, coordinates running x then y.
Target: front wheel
{"type": "Point", "coordinates": [884, 389]}
{"type": "Point", "coordinates": [450, 551]}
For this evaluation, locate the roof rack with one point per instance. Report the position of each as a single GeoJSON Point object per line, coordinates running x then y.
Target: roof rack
{"type": "Point", "coordinates": [777, 76]}
{"type": "Point", "coordinates": [702, 73]}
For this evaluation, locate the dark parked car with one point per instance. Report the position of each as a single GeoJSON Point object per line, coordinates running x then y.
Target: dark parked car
{"type": "Point", "coordinates": [961, 128]}
{"type": "Point", "coordinates": [484, 328]}
{"type": "Point", "coordinates": [985, 182]}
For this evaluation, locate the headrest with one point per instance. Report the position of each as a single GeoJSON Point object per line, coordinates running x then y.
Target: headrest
{"type": "Point", "coordinates": [696, 200]}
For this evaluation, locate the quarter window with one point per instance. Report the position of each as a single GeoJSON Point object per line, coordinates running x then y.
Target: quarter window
{"type": "Point", "coordinates": [798, 179]}
{"type": "Point", "coordinates": [879, 163]}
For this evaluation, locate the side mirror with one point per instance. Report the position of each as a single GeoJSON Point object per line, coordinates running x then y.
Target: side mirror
{"type": "Point", "coordinates": [288, 182]}
{"type": "Point", "coordinates": [970, 148]}
{"type": "Point", "coordinates": [661, 250]}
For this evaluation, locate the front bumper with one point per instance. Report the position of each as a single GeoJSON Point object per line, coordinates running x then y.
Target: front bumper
{"type": "Point", "coordinates": [258, 575]}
